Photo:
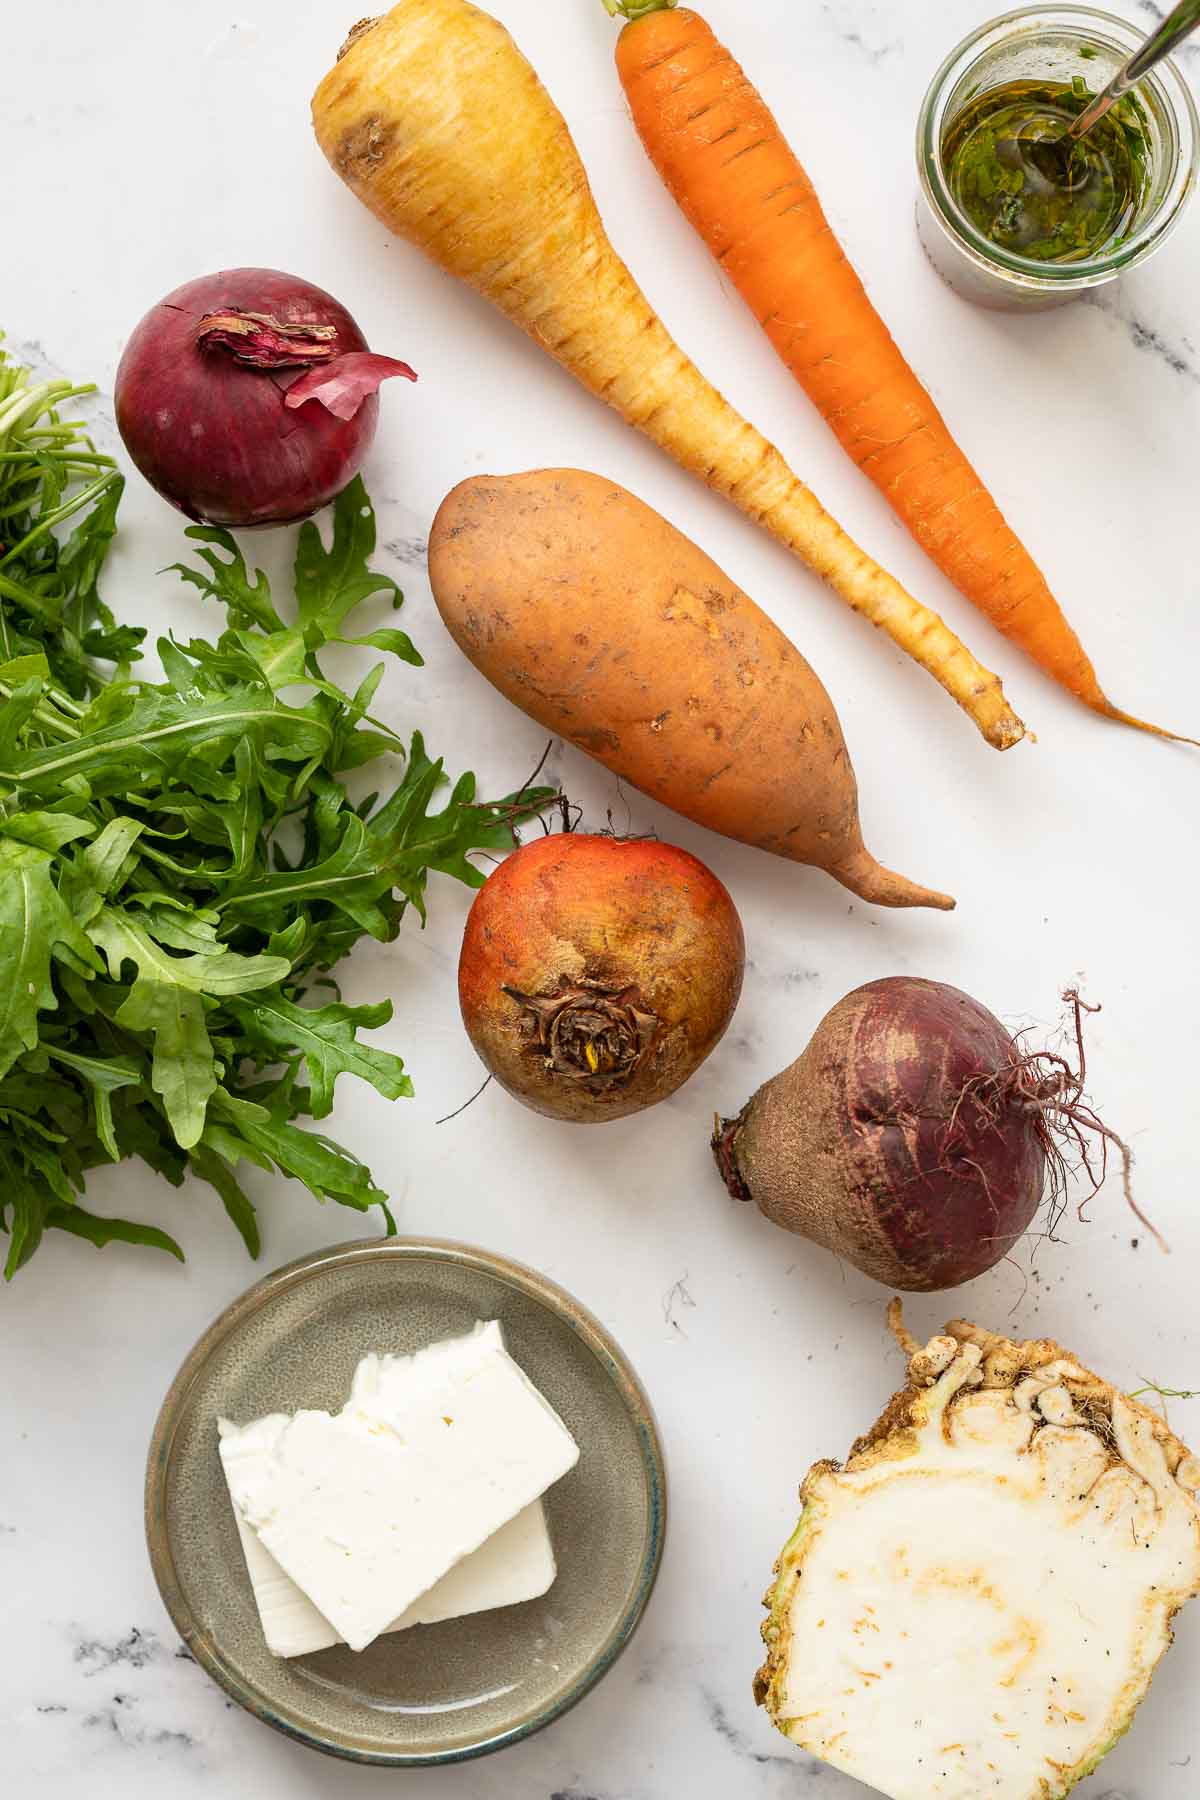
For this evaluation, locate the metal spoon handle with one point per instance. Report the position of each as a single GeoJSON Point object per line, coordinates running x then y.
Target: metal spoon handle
{"type": "Point", "coordinates": [1181, 20]}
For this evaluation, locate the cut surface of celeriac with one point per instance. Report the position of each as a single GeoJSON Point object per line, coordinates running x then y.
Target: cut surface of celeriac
{"type": "Point", "coordinates": [973, 1607]}
{"type": "Point", "coordinates": [366, 1509]}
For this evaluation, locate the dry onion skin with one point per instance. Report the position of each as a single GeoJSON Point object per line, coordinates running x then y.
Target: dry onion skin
{"type": "Point", "coordinates": [597, 973]}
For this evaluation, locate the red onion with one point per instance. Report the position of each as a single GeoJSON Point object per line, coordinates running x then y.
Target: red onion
{"type": "Point", "coordinates": [249, 397]}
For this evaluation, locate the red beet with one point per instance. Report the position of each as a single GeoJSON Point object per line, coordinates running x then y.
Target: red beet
{"type": "Point", "coordinates": [912, 1137]}
{"type": "Point", "coordinates": [204, 404]}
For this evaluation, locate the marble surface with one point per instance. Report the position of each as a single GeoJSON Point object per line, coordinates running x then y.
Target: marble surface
{"type": "Point", "coordinates": [144, 144]}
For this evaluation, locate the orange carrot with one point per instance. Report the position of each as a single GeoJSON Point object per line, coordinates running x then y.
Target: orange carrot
{"type": "Point", "coordinates": [717, 146]}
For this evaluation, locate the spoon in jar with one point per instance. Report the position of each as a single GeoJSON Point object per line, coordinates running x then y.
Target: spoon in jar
{"type": "Point", "coordinates": [1054, 157]}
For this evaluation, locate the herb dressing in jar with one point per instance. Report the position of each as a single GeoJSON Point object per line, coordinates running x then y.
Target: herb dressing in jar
{"type": "Point", "coordinates": [1009, 213]}
{"type": "Point", "coordinates": [1007, 169]}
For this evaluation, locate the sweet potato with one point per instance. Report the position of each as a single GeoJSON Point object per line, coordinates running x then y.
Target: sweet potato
{"type": "Point", "coordinates": [605, 624]}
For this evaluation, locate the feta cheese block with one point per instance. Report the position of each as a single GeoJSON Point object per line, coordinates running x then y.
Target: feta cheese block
{"type": "Point", "coordinates": [515, 1565]}
{"type": "Point", "coordinates": [367, 1509]}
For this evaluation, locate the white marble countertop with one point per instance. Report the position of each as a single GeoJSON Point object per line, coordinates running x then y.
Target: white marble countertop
{"type": "Point", "coordinates": [144, 144]}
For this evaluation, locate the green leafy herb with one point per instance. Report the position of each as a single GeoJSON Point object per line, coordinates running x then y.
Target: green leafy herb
{"type": "Point", "coordinates": [181, 862]}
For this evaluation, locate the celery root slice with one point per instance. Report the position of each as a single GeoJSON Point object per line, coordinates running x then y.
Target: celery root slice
{"type": "Point", "coordinates": [973, 1607]}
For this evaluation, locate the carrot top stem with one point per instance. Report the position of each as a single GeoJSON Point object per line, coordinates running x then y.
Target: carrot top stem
{"type": "Point", "coordinates": [637, 9]}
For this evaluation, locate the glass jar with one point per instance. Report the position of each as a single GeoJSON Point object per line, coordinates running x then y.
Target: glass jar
{"type": "Point", "coordinates": [1051, 43]}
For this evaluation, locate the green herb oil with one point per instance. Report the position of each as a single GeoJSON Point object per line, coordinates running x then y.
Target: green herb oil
{"type": "Point", "coordinates": [1025, 200]}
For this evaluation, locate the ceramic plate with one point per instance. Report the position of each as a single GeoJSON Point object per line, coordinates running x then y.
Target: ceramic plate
{"type": "Point", "coordinates": [436, 1693]}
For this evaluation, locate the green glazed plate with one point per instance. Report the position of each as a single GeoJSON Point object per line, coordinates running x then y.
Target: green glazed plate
{"type": "Point", "coordinates": [436, 1693]}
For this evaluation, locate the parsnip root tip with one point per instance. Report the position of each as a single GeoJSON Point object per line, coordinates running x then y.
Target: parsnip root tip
{"type": "Point", "coordinates": [1004, 728]}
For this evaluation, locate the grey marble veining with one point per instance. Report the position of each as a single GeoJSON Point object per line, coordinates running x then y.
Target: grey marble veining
{"type": "Point", "coordinates": [1178, 354]}
{"type": "Point", "coordinates": [1188, 50]}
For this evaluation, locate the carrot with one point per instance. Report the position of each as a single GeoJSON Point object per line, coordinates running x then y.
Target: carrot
{"type": "Point", "coordinates": [714, 141]}
{"type": "Point", "coordinates": [605, 624]}
{"type": "Point", "coordinates": [437, 122]}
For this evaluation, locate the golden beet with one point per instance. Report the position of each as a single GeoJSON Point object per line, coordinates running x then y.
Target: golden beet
{"type": "Point", "coordinates": [597, 973]}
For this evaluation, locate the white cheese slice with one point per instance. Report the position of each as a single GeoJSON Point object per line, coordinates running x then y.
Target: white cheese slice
{"type": "Point", "coordinates": [515, 1565]}
{"type": "Point", "coordinates": [366, 1510]}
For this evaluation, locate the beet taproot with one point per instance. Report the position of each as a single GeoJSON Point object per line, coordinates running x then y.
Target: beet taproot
{"type": "Point", "coordinates": [597, 973]}
{"type": "Point", "coordinates": [914, 1136]}
{"type": "Point", "coordinates": [605, 624]}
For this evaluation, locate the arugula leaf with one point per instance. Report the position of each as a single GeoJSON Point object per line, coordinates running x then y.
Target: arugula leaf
{"type": "Point", "coordinates": [387, 638]}
{"type": "Point", "coordinates": [166, 1003]}
{"type": "Point", "coordinates": [34, 1187]}
{"type": "Point", "coordinates": [23, 1214]}
{"type": "Point", "coordinates": [121, 645]}
{"type": "Point", "coordinates": [331, 583]}
{"type": "Point", "coordinates": [212, 1167]}
{"type": "Point", "coordinates": [181, 861]}
{"type": "Point", "coordinates": [327, 1039]}
{"type": "Point", "coordinates": [46, 830]}
{"type": "Point", "coordinates": [280, 656]}
{"type": "Point", "coordinates": [228, 580]}
{"type": "Point", "coordinates": [79, 564]}
{"type": "Point", "coordinates": [220, 971]}
{"type": "Point", "coordinates": [22, 705]}
{"type": "Point", "coordinates": [351, 878]}
{"type": "Point", "coordinates": [103, 1075]}
{"type": "Point", "coordinates": [33, 1100]}
{"type": "Point", "coordinates": [325, 1168]}
{"type": "Point", "coordinates": [184, 1069]}
{"type": "Point", "coordinates": [34, 925]}
{"type": "Point", "coordinates": [157, 733]}
{"type": "Point", "coordinates": [100, 1231]}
